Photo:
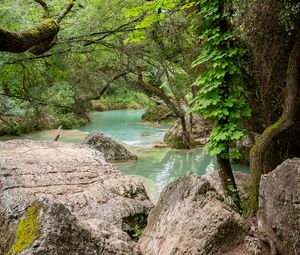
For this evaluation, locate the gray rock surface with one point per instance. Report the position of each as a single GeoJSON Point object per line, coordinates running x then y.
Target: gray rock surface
{"type": "Point", "coordinates": [279, 206]}
{"type": "Point", "coordinates": [112, 150]}
{"type": "Point", "coordinates": [97, 195]}
{"type": "Point", "coordinates": [200, 135]}
{"type": "Point", "coordinates": [59, 232]}
{"type": "Point", "coordinates": [242, 182]}
{"type": "Point", "coordinates": [191, 218]}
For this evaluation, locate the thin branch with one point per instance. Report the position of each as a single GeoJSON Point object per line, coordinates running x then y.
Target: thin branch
{"type": "Point", "coordinates": [45, 7]}
{"type": "Point", "coordinates": [116, 77]}
{"type": "Point", "coordinates": [66, 11]}
{"type": "Point", "coordinates": [57, 53]}
{"type": "Point", "coordinates": [33, 100]}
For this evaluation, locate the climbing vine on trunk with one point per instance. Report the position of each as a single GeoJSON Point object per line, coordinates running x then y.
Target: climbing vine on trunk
{"type": "Point", "coordinates": [220, 97]}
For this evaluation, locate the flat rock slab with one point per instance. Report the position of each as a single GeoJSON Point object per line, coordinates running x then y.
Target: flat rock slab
{"type": "Point", "coordinates": [77, 177]}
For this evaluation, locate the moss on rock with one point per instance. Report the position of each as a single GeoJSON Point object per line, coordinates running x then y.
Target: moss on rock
{"type": "Point", "coordinates": [134, 225]}
{"type": "Point", "coordinates": [174, 143]}
{"type": "Point", "coordinates": [28, 230]}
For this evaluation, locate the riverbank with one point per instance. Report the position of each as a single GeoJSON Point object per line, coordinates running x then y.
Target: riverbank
{"type": "Point", "coordinates": [92, 200]}
{"type": "Point", "coordinates": [155, 166]}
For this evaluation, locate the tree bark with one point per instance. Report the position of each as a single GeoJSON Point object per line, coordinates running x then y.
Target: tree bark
{"type": "Point", "coordinates": [22, 41]}
{"type": "Point", "coordinates": [228, 182]}
{"type": "Point", "coordinates": [36, 40]}
{"type": "Point", "coordinates": [264, 142]}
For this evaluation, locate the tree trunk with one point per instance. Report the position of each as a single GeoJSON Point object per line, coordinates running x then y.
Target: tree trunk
{"type": "Point", "coordinates": [185, 133]}
{"type": "Point", "coordinates": [150, 89]}
{"type": "Point", "coordinates": [263, 144]}
{"type": "Point", "coordinates": [228, 182]}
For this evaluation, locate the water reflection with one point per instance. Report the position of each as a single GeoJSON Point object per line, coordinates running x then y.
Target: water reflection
{"type": "Point", "coordinates": [158, 167]}
{"type": "Point", "coordinates": [161, 166]}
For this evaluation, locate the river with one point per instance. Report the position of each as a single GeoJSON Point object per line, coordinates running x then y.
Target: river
{"type": "Point", "coordinates": [155, 166]}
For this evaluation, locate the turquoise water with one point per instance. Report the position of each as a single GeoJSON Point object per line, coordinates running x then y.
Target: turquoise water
{"type": "Point", "coordinates": [156, 167]}
{"type": "Point", "coordinates": [125, 126]}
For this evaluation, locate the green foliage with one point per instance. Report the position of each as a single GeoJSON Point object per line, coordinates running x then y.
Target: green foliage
{"type": "Point", "coordinates": [59, 94]}
{"type": "Point", "coordinates": [290, 15]}
{"type": "Point", "coordinates": [151, 8]}
{"type": "Point", "coordinates": [221, 96]}
{"type": "Point", "coordinates": [157, 113]}
{"type": "Point", "coordinates": [68, 120]}
{"type": "Point", "coordinates": [134, 225]}
{"type": "Point", "coordinates": [173, 143]}
{"type": "Point", "coordinates": [122, 99]}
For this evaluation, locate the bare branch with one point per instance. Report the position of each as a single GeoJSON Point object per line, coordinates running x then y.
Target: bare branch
{"type": "Point", "coordinates": [45, 7]}
{"type": "Point", "coordinates": [114, 78]}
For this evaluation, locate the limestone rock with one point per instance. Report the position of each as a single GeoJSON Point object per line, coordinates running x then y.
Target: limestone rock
{"type": "Point", "coordinates": [52, 229]}
{"type": "Point", "coordinates": [279, 206]}
{"type": "Point", "coordinates": [242, 182]}
{"type": "Point", "coordinates": [200, 135]}
{"type": "Point", "coordinates": [190, 218]}
{"type": "Point", "coordinates": [78, 178]}
{"type": "Point", "coordinates": [112, 150]}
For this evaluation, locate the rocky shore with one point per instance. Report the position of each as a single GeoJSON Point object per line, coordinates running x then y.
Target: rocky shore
{"type": "Point", "coordinates": [58, 198]}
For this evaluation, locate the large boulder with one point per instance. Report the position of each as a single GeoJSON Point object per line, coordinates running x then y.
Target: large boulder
{"type": "Point", "coordinates": [242, 182]}
{"type": "Point", "coordinates": [191, 218]}
{"type": "Point", "coordinates": [200, 132]}
{"type": "Point", "coordinates": [47, 227]}
{"type": "Point", "coordinates": [112, 150]}
{"type": "Point", "coordinates": [94, 202]}
{"type": "Point", "coordinates": [279, 206]}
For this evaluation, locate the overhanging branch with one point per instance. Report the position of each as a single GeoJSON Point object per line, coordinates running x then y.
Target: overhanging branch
{"type": "Point", "coordinates": [45, 7]}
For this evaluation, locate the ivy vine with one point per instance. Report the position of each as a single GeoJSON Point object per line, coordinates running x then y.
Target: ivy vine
{"type": "Point", "coordinates": [221, 95]}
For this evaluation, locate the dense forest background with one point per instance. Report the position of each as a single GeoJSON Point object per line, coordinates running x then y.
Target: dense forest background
{"type": "Point", "coordinates": [221, 59]}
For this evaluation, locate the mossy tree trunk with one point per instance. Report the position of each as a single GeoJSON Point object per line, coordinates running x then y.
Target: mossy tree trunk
{"type": "Point", "coordinates": [258, 154]}
{"type": "Point", "coordinates": [37, 39]}
{"type": "Point", "coordinates": [29, 39]}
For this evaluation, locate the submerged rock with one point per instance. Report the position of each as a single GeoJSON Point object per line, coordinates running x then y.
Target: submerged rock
{"type": "Point", "coordinates": [94, 202]}
{"type": "Point", "coordinates": [279, 206]}
{"type": "Point", "coordinates": [191, 218]}
{"type": "Point", "coordinates": [112, 150]}
{"type": "Point", "coordinates": [200, 132]}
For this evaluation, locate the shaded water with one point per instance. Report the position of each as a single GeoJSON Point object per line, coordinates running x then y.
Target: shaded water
{"type": "Point", "coordinates": [155, 166]}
